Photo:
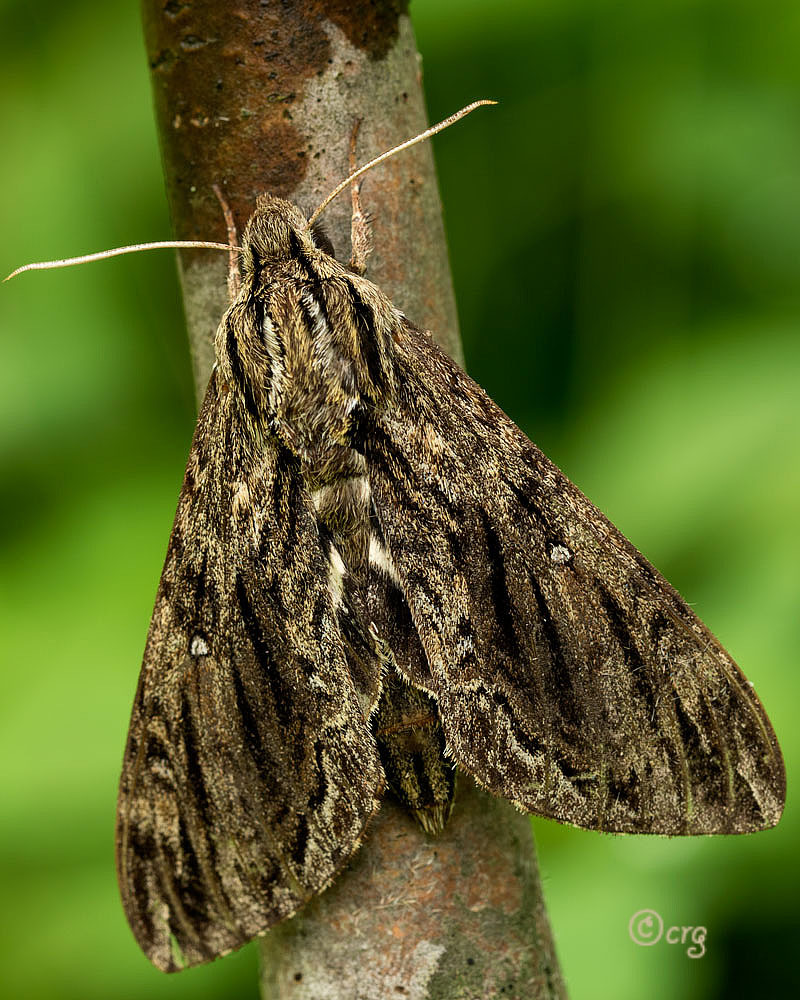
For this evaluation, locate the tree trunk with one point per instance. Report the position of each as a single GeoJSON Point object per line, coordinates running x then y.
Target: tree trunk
{"type": "Point", "coordinates": [263, 97]}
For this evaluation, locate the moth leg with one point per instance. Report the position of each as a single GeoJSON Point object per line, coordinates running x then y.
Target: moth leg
{"type": "Point", "coordinates": [233, 240]}
{"type": "Point", "coordinates": [360, 239]}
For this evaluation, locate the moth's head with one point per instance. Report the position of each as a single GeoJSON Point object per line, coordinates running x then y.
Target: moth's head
{"type": "Point", "coordinates": [278, 232]}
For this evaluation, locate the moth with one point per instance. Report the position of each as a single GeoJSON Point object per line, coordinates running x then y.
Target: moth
{"type": "Point", "coordinates": [374, 575]}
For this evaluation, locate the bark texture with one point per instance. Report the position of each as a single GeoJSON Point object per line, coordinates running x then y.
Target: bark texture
{"type": "Point", "coordinates": [263, 96]}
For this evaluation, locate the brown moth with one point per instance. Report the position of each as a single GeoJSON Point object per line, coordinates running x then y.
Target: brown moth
{"type": "Point", "coordinates": [373, 575]}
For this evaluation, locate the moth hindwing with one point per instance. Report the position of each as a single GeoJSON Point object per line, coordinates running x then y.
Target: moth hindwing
{"type": "Point", "coordinates": [372, 572]}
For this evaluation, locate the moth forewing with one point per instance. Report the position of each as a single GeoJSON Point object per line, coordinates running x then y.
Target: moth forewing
{"type": "Point", "coordinates": [250, 772]}
{"type": "Point", "coordinates": [569, 676]}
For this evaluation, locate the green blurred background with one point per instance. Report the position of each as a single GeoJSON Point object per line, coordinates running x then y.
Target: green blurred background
{"type": "Point", "coordinates": [625, 239]}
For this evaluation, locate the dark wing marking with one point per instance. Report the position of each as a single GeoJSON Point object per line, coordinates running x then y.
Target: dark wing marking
{"type": "Point", "coordinates": [571, 678]}
{"type": "Point", "coordinates": [250, 772]}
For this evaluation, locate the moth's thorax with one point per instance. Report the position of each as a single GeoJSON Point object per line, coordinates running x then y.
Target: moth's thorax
{"type": "Point", "coordinates": [308, 344]}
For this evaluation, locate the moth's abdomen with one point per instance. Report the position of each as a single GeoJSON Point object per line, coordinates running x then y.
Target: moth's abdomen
{"type": "Point", "coordinates": [364, 585]}
{"type": "Point", "coordinates": [340, 493]}
{"type": "Point", "coordinates": [412, 749]}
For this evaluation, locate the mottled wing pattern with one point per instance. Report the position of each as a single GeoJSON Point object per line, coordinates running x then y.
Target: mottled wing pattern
{"type": "Point", "coordinates": [250, 772]}
{"type": "Point", "coordinates": [571, 678]}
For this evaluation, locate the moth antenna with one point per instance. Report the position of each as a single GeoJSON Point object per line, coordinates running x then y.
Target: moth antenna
{"type": "Point", "coordinates": [397, 149]}
{"type": "Point", "coordinates": [43, 265]}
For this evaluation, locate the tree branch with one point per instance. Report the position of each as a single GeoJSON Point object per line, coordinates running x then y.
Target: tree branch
{"type": "Point", "coordinates": [264, 97]}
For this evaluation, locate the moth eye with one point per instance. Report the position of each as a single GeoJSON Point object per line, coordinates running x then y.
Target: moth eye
{"type": "Point", "coordinates": [321, 240]}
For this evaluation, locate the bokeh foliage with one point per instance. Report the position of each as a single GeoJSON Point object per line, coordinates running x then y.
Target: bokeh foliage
{"type": "Point", "coordinates": [625, 238]}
